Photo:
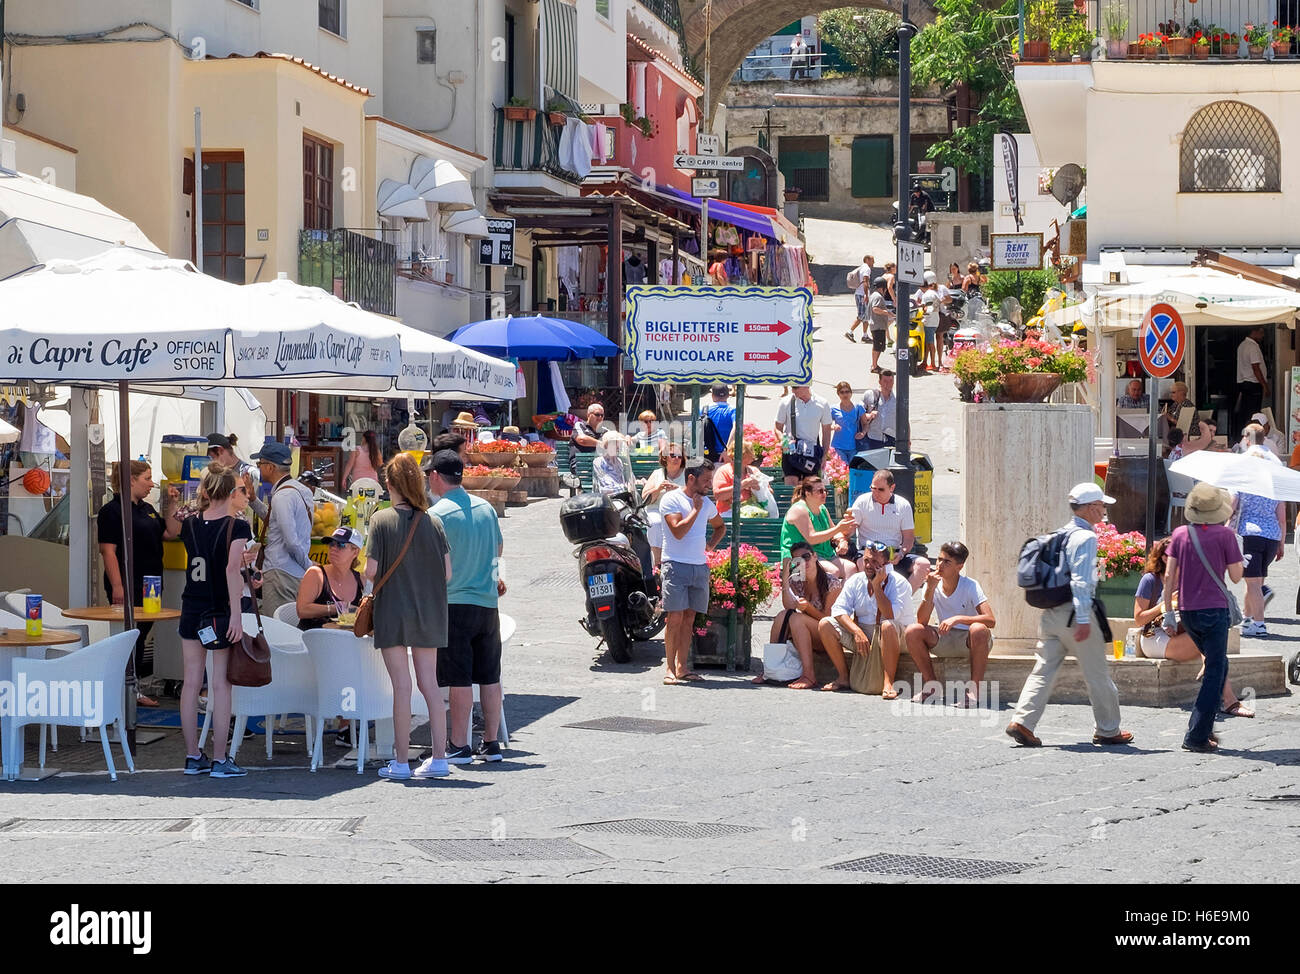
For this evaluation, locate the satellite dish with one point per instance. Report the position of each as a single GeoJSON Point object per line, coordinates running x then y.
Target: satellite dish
{"type": "Point", "coordinates": [1067, 184]}
{"type": "Point", "coordinates": [1010, 309]}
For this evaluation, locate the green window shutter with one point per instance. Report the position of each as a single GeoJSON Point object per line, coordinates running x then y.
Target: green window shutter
{"type": "Point", "coordinates": [873, 166]}
{"type": "Point", "coordinates": [790, 29]}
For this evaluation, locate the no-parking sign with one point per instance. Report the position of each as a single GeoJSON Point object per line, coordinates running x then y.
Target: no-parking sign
{"type": "Point", "coordinates": [1162, 340]}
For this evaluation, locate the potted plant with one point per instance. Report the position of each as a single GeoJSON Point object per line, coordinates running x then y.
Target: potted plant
{"type": "Point", "coordinates": [1039, 18]}
{"type": "Point", "coordinates": [1151, 45]}
{"type": "Point", "coordinates": [1256, 40]}
{"type": "Point", "coordinates": [1282, 40]}
{"type": "Point", "coordinates": [518, 110]}
{"type": "Point", "coordinates": [628, 114]}
{"type": "Point", "coordinates": [1022, 371]}
{"type": "Point", "coordinates": [646, 125]}
{"type": "Point", "coordinates": [766, 445]}
{"type": "Point", "coordinates": [1200, 47]}
{"type": "Point", "coordinates": [555, 112]}
{"type": "Point", "coordinates": [1115, 18]}
{"type": "Point", "coordinates": [1120, 557]}
{"type": "Point", "coordinates": [1229, 45]}
{"type": "Point", "coordinates": [1176, 40]}
{"type": "Point", "coordinates": [756, 580]}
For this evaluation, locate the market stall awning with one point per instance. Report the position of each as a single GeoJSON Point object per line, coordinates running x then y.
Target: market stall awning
{"type": "Point", "coordinates": [721, 211]}
{"type": "Point", "coordinates": [1200, 295]}
{"type": "Point", "coordinates": [40, 222]}
{"type": "Point", "coordinates": [790, 233]}
{"type": "Point", "coordinates": [534, 338]}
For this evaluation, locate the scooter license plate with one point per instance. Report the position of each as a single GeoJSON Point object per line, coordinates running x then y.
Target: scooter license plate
{"type": "Point", "coordinates": [601, 586]}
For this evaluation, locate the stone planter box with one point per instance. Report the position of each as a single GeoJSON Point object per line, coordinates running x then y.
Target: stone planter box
{"type": "Point", "coordinates": [710, 649]}
{"type": "Point", "coordinates": [1117, 594]}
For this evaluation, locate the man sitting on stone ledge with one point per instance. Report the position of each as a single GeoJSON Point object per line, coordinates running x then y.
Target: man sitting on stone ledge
{"type": "Point", "coordinates": [965, 623]}
{"type": "Point", "coordinates": [874, 595]}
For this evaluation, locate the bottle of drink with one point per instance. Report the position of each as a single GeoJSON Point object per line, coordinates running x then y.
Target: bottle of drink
{"type": "Point", "coordinates": [1131, 643]}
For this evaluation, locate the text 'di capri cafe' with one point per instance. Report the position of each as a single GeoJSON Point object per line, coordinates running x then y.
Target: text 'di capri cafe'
{"type": "Point", "coordinates": [735, 334]}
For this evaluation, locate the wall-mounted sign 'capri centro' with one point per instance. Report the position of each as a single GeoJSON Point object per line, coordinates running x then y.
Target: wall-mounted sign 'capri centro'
{"type": "Point", "coordinates": [719, 334]}
{"type": "Point", "coordinates": [1016, 251]}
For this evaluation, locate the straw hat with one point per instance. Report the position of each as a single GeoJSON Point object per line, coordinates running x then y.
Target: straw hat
{"type": "Point", "coordinates": [464, 421]}
{"type": "Point", "coordinates": [1207, 504]}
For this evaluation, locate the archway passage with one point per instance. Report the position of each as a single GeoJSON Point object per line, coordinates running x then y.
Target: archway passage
{"type": "Point", "coordinates": [738, 26]}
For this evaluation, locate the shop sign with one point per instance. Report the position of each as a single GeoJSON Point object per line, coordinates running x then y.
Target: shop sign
{"type": "Point", "coordinates": [320, 350]}
{"type": "Point", "coordinates": [755, 335]}
{"type": "Point", "coordinates": [98, 357]}
{"type": "Point", "coordinates": [1016, 251]}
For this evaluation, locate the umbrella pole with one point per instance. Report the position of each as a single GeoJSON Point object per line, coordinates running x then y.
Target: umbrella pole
{"type": "Point", "coordinates": [128, 545]}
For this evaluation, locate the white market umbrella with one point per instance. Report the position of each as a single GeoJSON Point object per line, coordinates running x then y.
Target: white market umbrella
{"type": "Point", "coordinates": [1241, 473]}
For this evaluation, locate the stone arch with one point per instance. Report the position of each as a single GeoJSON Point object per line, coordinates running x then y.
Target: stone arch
{"type": "Point", "coordinates": [769, 177]}
{"type": "Point", "coordinates": [739, 25]}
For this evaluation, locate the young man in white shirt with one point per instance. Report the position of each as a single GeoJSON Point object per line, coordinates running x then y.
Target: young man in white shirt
{"type": "Point", "coordinates": [862, 273]}
{"type": "Point", "coordinates": [874, 596]}
{"type": "Point", "coordinates": [964, 626]}
{"type": "Point", "coordinates": [879, 319]}
{"type": "Point", "coordinates": [1252, 377]}
{"type": "Point", "coordinates": [885, 517]}
{"type": "Point", "coordinates": [805, 417]}
{"type": "Point", "coordinates": [685, 563]}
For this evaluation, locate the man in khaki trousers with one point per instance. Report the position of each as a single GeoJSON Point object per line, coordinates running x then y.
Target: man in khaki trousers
{"type": "Point", "coordinates": [1070, 628]}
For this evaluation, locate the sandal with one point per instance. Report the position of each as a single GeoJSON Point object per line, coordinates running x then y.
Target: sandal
{"type": "Point", "coordinates": [691, 677]}
{"type": "Point", "coordinates": [673, 681]}
{"type": "Point", "coordinates": [890, 694]}
{"type": "Point", "coordinates": [1236, 709]}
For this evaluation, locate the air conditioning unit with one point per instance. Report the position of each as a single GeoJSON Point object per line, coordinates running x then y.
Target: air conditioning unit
{"type": "Point", "coordinates": [1228, 171]}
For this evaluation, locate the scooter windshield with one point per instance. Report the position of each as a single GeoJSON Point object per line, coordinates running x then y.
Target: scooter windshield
{"type": "Point", "coordinates": [611, 471]}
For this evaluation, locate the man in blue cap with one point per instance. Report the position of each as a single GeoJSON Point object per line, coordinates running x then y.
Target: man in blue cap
{"type": "Point", "coordinates": [286, 527]}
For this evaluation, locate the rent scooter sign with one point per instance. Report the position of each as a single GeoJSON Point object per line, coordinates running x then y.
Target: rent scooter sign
{"type": "Point", "coordinates": [719, 334]}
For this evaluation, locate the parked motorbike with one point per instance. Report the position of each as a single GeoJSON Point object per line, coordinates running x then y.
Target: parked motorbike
{"type": "Point", "coordinates": [915, 220]}
{"type": "Point", "coordinates": [615, 565]}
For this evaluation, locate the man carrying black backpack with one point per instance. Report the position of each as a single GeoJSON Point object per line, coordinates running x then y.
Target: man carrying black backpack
{"type": "Point", "coordinates": [1077, 625]}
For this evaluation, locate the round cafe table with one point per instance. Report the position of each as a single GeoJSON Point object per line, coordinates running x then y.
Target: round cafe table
{"type": "Point", "coordinates": [15, 643]}
{"type": "Point", "coordinates": [115, 616]}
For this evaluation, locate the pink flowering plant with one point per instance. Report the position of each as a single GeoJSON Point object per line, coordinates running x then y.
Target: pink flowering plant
{"type": "Point", "coordinates": [765, 444]}
{"type": "Point", "coordinates": [756, 580]}
{"type": "Point", "coordinates": [835, 472]}
{"type": "Point", "coordinates": [987, 365]}
{"type": "Point", "coordinates": [1120, 554]}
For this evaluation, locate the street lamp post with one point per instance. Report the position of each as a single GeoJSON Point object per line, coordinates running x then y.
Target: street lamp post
{"type": "Point", "coordinates": [903, 473]}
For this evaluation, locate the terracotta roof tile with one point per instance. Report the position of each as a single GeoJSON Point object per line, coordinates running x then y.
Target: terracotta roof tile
{"type": "Point", "coordinates": [343, 82]}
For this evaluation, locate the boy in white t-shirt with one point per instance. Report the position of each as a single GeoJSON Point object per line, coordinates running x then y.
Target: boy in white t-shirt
{"type": "Point", "coordinates": [965, 624]}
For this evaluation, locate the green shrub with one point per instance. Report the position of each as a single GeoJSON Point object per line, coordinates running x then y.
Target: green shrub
{"type": "Point", "coordinates": [1030, 290]}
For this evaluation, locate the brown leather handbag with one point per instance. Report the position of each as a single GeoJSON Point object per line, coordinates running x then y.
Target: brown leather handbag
{"type": "Point", "coordinates": [365, 622]}
{"type": "Point", "coordinates": [249, 663]}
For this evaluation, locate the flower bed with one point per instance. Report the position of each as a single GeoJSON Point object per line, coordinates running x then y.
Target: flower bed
{"type": "Point", "coordinates": [1119, 554]}
{"type": "Point", "coordinates": [766, 445]}
{"type": "Point", "coordinates": [988, 365]}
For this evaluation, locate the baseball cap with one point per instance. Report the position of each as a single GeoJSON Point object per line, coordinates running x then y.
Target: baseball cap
{"type": "Point", "coordinates": [346, 536]}
{"type": "Point", "coordinates": [1089, 494]}
{"type": "Point", "coordinates": [1259, 418]}
{"type": "Point", "coordinates": [275, 452]}
{"type": "Point", "coordinates": [218, 440]}
{"type": "Point", "coordinates": [931, 277]}
{"type": "Point", "coordinates": [447, 463]}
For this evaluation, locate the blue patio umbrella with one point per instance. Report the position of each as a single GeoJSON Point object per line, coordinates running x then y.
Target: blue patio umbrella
{"type": "Point", "coordinates": [534, 337]}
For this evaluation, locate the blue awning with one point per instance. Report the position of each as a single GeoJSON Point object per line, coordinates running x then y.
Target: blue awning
{"type": "Point", "coordinates": [721, 211]}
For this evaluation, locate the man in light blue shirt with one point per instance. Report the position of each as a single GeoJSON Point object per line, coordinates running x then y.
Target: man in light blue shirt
{"type": "Point", "coordinates": [473, 651]}
{"type": "Point", "coordinates": [874, 596]}
{"type": "Point", "coordinates": [1069, 626]}
{"type": "Point", "coordinates": [287, 523]}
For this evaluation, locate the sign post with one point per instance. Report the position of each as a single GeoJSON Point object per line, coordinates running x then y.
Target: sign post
{"type": "Point", "coordinates": [1162, 340]}
{"type": "Point", "coordinates": [733, 334]}
{"type": "Point", "coordinates": [498, 248]}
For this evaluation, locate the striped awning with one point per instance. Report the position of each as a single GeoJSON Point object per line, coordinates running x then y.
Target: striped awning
{"type": "Point", "coordinates": [560, 36]}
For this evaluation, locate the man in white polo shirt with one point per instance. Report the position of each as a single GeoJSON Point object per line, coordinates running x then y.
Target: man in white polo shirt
{"type": "Point", "coordinates": [804, 421]}
{"type": "Point", "coordinates": [875, 595]}
{"type": "Point", "coordinates": [964, 623]}
{"type": "Point", "coordinates": [885, 517]}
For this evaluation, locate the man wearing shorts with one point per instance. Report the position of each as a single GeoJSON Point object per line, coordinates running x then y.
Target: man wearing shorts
{"type": "Point", "coordinates": [473, 651]}
{"type": "Point", "coordinates": [878, 320]}
{"type": "Point", "coordinates": [875, 595]}
{"type": "Point", "coordinates": [885, 517]}
{"type": "Point", "coordinates": [1260, 523]}
{"type": "Point", "coordinates": [965, 624]}
{"type": "Point", "coordinates": [686, 512]}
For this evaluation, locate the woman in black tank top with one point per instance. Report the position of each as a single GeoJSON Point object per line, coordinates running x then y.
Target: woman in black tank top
{"type": "Point", "coordinates": [323, 590]}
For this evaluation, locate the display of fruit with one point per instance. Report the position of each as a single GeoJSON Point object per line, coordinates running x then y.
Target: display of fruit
{"type": "Point", "coordinates": [324, 520]}
{"type": "Point", "coordinates": [495, 446]}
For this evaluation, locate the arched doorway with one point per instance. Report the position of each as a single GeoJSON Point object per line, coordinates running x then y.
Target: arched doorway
{"type": "Point", "coordinates": [756, 183]}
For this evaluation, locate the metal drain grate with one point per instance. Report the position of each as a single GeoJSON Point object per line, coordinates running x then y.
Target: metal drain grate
{"type": "Point", "coordinates": [634, 725]}
{"type": "Point", "coordinates": [278, 826]}
{"type": "Point", "coordinates": [559, 579]}
{"type": "Point", "coordinates": [502, 850]}
{"type": "Point", "coordinates": [931, 867]}
{"type": "Point", "coordinates": [93, 826]}
{"type": "Point", "coordinates": [666, 828]}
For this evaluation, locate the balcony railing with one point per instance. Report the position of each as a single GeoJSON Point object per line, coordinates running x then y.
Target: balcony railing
{"type": "Point", "coordinates": [1231, 16]}
{"type": "Point", "coordinates": [529, 145]}
{"type": "Point", "coordinates": [350, 265]}
{"type": "Point", "coordinates": [666, 10]}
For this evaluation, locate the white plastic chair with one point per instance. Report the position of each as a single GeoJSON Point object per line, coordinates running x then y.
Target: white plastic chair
{"type": "Point", "coordinates": [101, 664]}
{"type": "Point", "coordinates": [287, 613]}
{"type": "Point", "coordinates": [53, 617]}
{"type": "Point", "coordinates": [348, 672]}
{"type": "Point", "coordinates": [508, 626]}
{"type": "Point", "coordinates": [1180, 485]}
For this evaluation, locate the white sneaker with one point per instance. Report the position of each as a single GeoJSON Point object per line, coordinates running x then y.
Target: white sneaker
{"type": "Point", "coordinates": [1250, 627]}
{"type": "Point", "coordinates": [395, 771]}
{"type": "Point", "coordinates": [432, 768]}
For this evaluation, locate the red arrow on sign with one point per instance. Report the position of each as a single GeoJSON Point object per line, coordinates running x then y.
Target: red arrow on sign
{"type": "Point", "coordinates": [778, 356]}
{"type": "Point", "coordinates": [780, 327]}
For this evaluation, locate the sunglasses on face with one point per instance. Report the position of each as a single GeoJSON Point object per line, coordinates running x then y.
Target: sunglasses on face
{"type": "Point", "coordinates": [875, 546]}
{"type": "Point", "coordinates": [806, 556]}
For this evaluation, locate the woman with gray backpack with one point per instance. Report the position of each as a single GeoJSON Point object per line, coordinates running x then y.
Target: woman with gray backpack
{"type": "Point", "coordinates": [1199, 554]}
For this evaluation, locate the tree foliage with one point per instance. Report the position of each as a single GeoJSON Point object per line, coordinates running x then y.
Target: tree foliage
{"type": "Point", "coordinates": [867, 40]}
{"type": "Point", "coordinates": [970, 43]}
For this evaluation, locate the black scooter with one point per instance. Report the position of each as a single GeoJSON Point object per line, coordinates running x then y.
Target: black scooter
{"type": "Point", "coordinates": [616, 569]}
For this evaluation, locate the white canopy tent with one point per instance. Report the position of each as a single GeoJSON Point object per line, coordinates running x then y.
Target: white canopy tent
{"type": "Point", "coordinates": [1202, 296]}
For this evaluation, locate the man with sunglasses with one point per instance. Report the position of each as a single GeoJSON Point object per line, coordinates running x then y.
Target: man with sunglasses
{"type": "Point", "coordinates": [875, 596]}
{"type": "Point", "coordinates": [965, 623]}
{"type": "Point", "coordinates": [887, 518]}
{"type": "Point", "coordinates": [586, 435]}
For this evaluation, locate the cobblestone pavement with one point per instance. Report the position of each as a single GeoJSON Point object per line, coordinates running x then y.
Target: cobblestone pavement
{"type": "Point", "coordinates": [809, 780]}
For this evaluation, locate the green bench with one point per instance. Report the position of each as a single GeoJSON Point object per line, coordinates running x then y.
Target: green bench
{"type": "Point", "coordinates": [763, 533]}
{"type": "Point", "coordinates": [562, 448]}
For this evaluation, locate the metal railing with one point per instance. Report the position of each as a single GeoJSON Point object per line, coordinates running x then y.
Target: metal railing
{"type": "Point", "coordinates": [1146, 16]}
{"type": "Point", "coordinates": [350, 265]}
{"type": "Point", "coordinates": [781, 67]}
{"type": "Point", "coordinates": [666, 10]}
{"type": "Point", "coordinates": [529, 145]}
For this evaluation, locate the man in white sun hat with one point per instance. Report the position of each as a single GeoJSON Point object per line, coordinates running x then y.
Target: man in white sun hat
{"type": "Point", "coordinates": [1075, 628]}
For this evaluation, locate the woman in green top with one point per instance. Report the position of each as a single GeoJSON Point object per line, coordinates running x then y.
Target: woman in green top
{"type": "Point", "coordinates": [809, 520]}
